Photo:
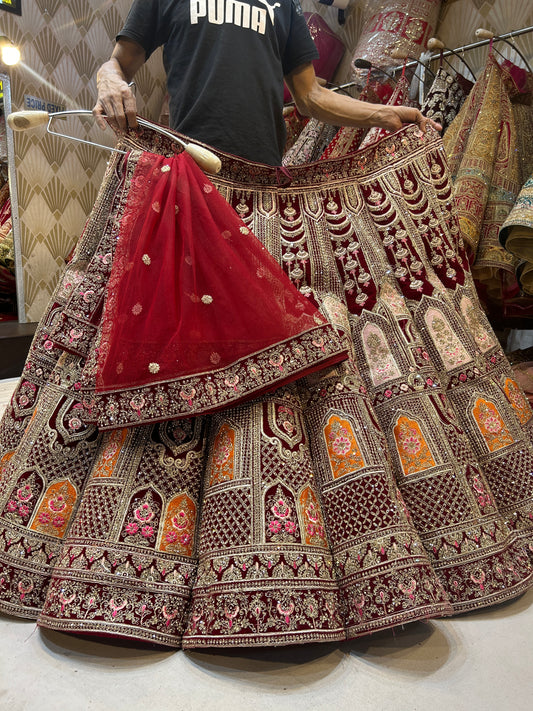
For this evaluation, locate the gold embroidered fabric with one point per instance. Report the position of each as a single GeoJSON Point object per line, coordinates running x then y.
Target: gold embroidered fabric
{"type": "Point", "coordinates": [393, 487]}
{"type": "Point", "coordinates": [481, 144]}
{"type": "Point", "coordinates": [516, 235]}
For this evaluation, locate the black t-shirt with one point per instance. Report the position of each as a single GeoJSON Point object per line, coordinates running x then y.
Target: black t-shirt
{"type": "Point", "coordinates": [225, 61]}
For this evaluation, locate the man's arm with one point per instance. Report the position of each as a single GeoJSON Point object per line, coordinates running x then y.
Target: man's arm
{"type": "Point", "coordinates": [115, 98]}
{"type": "Point", "coordinates": [337, 109]}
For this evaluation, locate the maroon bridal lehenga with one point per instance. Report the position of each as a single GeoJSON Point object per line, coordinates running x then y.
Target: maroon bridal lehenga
{"type": "Point", "coordinates": [287, 422]}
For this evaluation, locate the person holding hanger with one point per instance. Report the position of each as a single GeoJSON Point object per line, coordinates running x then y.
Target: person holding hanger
{"type": "Point", "coordinates": [225, 63]}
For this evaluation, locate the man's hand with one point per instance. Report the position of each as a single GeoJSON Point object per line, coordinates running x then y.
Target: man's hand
{"type": "Point", "coordinates": [392, 118]}
{"type": "Point", "coordinates": [339, 110]}
{"type": "Point", "coordinates": [116, 103]}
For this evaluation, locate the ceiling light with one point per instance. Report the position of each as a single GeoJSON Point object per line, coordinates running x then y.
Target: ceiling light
{"type": "Point", "coordinates": [9, 53]}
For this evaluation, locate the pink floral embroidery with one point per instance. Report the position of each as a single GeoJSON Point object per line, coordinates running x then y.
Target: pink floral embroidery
{"type": "Point", "coordinates": [144, 513]}
{"type": "Point", "coordinates": [131, 529]}
{"type": "Point", "coordinates": [274, 526]}
{"type": "Point", "coordinates": [57, 504]}
{"type": "Point", "coordinates": [75, 423]}
{"type": "Point", "coordinates": [281, 509]}
{"type": "Point", "coordinates": [147, 531]}
{"type": "Point", "coordinates": [341, 445]}
{"type": "Point", "coordinates": [493, 425]}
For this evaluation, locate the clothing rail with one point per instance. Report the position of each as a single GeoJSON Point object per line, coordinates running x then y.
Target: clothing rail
{"type": "Point", "coordinates": [445, 53]}
{"type": "Point", "coordinates": [467, 47]}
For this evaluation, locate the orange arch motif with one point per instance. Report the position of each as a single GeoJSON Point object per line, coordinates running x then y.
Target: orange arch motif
{"type": "Point", "coordinates": [55, 510]}
{"type": "Point", "coordinates": [491, 425]}
{"type": "Point", "coordinates": [313, 522]}
{"type": "Point", "coordinates": [518, 400]}
{"type": "Point", "coordinates": [179, 525]}
{"type": "Point", "coordinates": [108, 458]}
{"type": "Point", "coordinates": [415, 455]}
{"type": "Point", "coordinates": [343, 449]}
{"type": "Point", "coordinates": [223, 464]}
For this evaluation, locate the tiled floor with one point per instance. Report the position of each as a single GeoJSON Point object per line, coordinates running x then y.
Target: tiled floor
{"type": "Point", "coordinates": [477, 662]}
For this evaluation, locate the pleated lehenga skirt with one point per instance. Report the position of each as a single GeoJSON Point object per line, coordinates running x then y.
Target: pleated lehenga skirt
{"type": "Point", "coordinates": [393, 486]}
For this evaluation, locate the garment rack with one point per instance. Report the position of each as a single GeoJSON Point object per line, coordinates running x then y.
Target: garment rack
{"type": "Point", "coordinates": [445, 53]}
{"type": "Point", "coordinates": [468, 47]}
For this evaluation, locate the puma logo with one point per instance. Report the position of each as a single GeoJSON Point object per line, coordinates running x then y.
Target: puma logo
{"type": "Point", "coordinates": [234, 12]}
{"type": "Point", "coordinates": [270, 8]}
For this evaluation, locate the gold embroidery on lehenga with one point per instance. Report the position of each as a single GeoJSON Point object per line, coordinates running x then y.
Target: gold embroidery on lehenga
{"type": "Point", "coordinates": [517, 399]}
{"type": "Point", "coordinates": [179, 523]}
{"type": "Point", "coordinates": [382, 364]}
{"type": "Point", "coordinates": [54, 513]}
{"type": "Point", "coordinates": [110, 453]}
{"type": "Point", "coordinates": [314, 530]}
{"type": "Point", "coordinates": [413, 450]}
{"type": "Point", "coordinates": [343, 450]}
{"type": "Point", "coordinates": [223, 461]}
{"type": "Point", "coordinates": [447, 342]}
{"type": "Point", "coordinates": [491, 425]}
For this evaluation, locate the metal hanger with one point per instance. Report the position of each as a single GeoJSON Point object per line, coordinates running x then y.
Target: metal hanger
{"type": "Point", "coordinates": [26, 120]}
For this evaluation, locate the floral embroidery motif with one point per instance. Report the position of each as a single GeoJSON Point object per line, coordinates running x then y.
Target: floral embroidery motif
{"type": "Point", "coordinates": [153, 367]}
{"type": "Point", "coordinates": [343, 450]}
{"type": "Point", "coordinates": [483, 336]}
{"type": "Point", "coordinates": [136, 309]}
{"type": "Point", "coordinates": [146, 259]}
{"type": "Point", "coordinates": [518, 401]}
{"type": "Point", "coordinates": [491, 425]}
{"type": "Point", "coordinates": [178, 527]}
{"type": "Point", "coordinates": [54, 513]}
{"type": "Point", "coordinates": [207, 299]}
{"type": "Point", "coordinates": [285, 424]}
{"type": "Point", "coordinates": [107, 461]}
{"type": "Point", "coordinates": [23, 498]}
{"type": "Point", "coordinates": [314, 531]}
{"type": "Point", "coordinates": [382, 364]}
{"type": "Point", "coordinates": [393, 299]}
{"type": "Point", "coordinates": [281, 518]}
{"type": "Point", "coordinates": [415, 455]}
{"type": "Point", "coordinates": [223, 463]}
{"type": "Point", "coordinates": [448, 344]}
{"type": "Point", "coordinates": [142, 523]}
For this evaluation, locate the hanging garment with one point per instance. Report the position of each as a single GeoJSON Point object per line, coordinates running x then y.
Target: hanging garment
{"type": "Point", "coordinates": [445, 97]}
{"type": "Point", "coordinates": [294, 125]}
{"type": "Point", "coordinates": [391, 487]}
{"type": "Point", "coordinates": [310, 144]}
{"type": "Point", "coordinates": [481, 144]}
{"type": "Point", "coordinates": [7, 247]}
{"type": "Point", "coordinates": [516, 235]}
{"type": "Point", "coordinates": [349, 139]}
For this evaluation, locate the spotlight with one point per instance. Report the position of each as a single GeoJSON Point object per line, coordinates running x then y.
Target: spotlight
{"type": "Point", "coordinates": [9, 53]}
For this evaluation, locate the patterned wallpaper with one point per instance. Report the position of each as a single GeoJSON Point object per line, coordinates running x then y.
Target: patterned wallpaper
{"type": "Point", "coordinates": [63, 42]}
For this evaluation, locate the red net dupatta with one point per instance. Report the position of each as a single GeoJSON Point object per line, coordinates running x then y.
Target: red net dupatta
{"type": "Point", "coordinates": [198, 314]}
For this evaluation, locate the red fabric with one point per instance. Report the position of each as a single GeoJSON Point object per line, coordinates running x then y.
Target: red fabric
{"type": "Point", "coordinates": [329, 46]}
{"type": "Point", "coordinates": [192, 290]}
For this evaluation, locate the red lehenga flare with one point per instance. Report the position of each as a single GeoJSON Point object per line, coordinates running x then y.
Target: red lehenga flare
{"type": "Point", "coordinates": [393, 486]}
